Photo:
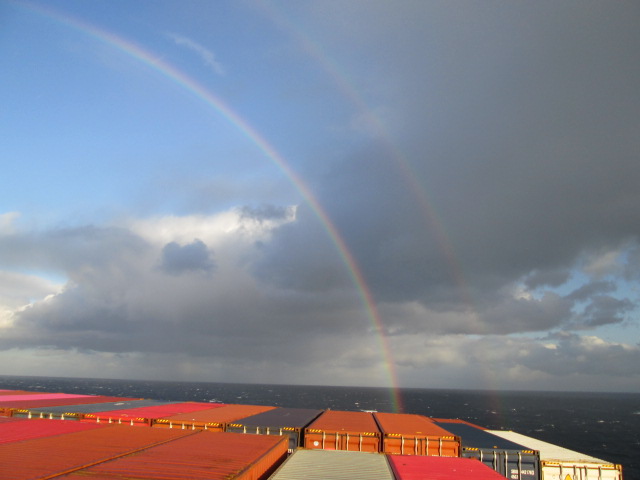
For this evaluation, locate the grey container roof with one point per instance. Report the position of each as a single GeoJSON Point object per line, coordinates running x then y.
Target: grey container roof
{"type": "Point", "coordinates": [281, 417]}
{"type": "Point", "coordinates": [99, 407]}
{"type": "Point", "coordinates": [477, 438]}
{"type": "Point", "coordinates": [334, 465]}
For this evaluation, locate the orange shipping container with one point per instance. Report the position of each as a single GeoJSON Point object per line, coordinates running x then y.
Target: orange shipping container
{"type": "Point", "coordinates": [407, 434]}
{"type": "Point", "coordinates": [214, 419]}
{"type": "Point", "coordinates": [50, 456]}
{"type": "Point", "coordinates": [339, 430]}
{"type": "Point", "coordinates": [201, 456]}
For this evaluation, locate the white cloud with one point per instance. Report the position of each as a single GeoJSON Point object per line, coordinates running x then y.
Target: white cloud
{"type": "Point", "coordinates": [7, 221]}
{"type": "Point", "coordinates": [207, 56]}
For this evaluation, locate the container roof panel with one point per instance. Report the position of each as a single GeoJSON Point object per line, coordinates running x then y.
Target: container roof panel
{"type": "Point", "coordinates": [19, 429]}
{"type": "Point", "coordinates": [415, 467]}
{"type": "Point", "coordinates": [342, 421]}
{"type": "Point", "coordinates": [48, 456]}
{"type": "Point", "coordinates": [202, 456]}
{"type": "Point", "coordinates": [282, 417]}
{"type": "Point", "coordinates": [334, 465]}
{"type": "Point", "coordinates": [408, 424]}
{"type": "Point", "coordinates": [548, 451]}
{"type": "Point", "coordinates": [476, 438]}
{"type": "Point", "coordinates": [221, 414]}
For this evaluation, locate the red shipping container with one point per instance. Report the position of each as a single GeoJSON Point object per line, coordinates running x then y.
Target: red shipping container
{"type": "Point", "coordinates": [202, 456]}
{"type": "Point", "coordinates": [50, 456]}
{"type": "Point", "coordinates": [17, 429]}
{"type": "Point", "coordinates": [144, 415]}
{"type": "Point", "coordinates": [340, 430]}
{"type": "Point", "coordinates": [408, 434]}
{"type": "Point", "coordinates": [214, 419]}
{"type": "Point", "coordinates": [412, 467]}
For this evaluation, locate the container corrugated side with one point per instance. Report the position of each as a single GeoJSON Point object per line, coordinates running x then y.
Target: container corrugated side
{"type": "Point", "coordinates": [75, 411]}
{"type": "Point", "coordinates": [279, 421]}
{"type": "Point", "coordinates": [201, 456]}
{"type": "Point", "coordinates": [508, 458]}
{"type": "Point", "coordinates": [334, 465]}
{"type": "Point", "coordinates": [559, 462]}
{"type": "Point", "coordinates": [407, 434]}
{"type": "Point", "coordinates": [341, 430]}
{"type": "Point", "coordinates": [144, 415]}
{"type": "Point", "coordinates": [214, 419]}
{"type": "Point", "coordinates": [19, 429]}
{"type": "Point", "coordinates": [414, 467]}
{"type": "Point", "coordinates": [50, 456]}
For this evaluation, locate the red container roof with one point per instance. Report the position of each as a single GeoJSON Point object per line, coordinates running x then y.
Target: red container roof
{"type": "Point", "coordinates": [17, 429]}
{"type": "Point", "coordinates": [156, 411]}
{"type": "Point", "coordinates": [49, 456]}
{"type": "Point", "coordinates": [409, 424]}
{"type": "Point", "coordinates": [341, 421]}
{"type": "Point", "coordinates": [221, 414]}
{"type": "Point", "coordinates": [203, 456]}
{"type": "Point", "coordinates": [416, 467]}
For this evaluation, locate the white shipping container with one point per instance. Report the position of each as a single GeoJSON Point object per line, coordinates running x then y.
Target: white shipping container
{"type": "Point", "coordinates": [559, 463]}
{"type": "Point", "coordinates": [334, 465]}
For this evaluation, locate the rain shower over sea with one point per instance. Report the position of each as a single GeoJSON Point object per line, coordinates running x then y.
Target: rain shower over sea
{"type": "Point", "coordinates": [603, 425]}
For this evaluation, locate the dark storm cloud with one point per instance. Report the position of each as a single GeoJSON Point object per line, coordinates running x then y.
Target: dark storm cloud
{"type": "Point", "coordinates": [69, 249]}
{"type": "Point", "coordinates": [605, 310]}
{"type": "Point", "coordinates": [549, 277]}
{"type": "Point", "coordinates": [583, 355]}
{"type": "Point", "coordinates": [193, 257]}
{"type": "Point", "coordinates": [591, 289]}
{"type": "Point", "coordinates": [521, 123]}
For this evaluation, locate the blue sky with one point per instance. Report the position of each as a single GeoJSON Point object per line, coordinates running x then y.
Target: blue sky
{"type": "Point", "coordinates": [421, 194]}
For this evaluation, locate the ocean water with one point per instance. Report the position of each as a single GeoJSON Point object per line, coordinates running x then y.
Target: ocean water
{"type": "Point", "coordinates": [603, 425]}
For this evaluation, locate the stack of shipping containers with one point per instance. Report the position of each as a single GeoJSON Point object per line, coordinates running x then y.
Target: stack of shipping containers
{"type": "Point", "coordinates": [279, 421]}
{"type": "Point", "coordinates": [199, 456]}
{"type": "Point", "coordinates": [407, 434]}
{"type": "Point", "coordinates": [510, 459]}
{"type": "Point", "coordinates": [22, 404]}
{"type": "Point", "coordinates": [55, 454]}
{"type": "Point", "coordinates": [76, 411]}
{"type": "Point", "coordinates": [143, 415]}
{"type": "Point", "coordinates": [558, 462]}
{"type": "Point", "coordinates": [36, 443]}
{"type": "Point", "coordinates": [340, 430]}
{"type": "Point", "coordinates": [215, 419]}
